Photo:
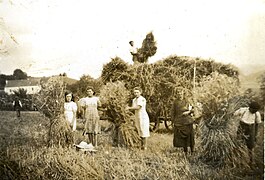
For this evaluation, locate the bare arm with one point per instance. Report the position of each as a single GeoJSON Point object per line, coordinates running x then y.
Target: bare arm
{"type": "Point", "coordinates": [99, 103]}
{"type": "Point", "coordinates": [134, 108]}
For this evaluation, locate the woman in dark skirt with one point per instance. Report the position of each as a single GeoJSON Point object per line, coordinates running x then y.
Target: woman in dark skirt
{"type": "Point", "coordinates": [183, 125]}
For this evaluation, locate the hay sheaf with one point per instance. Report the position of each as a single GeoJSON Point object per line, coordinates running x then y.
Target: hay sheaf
{"type": "Point", "coordinates": [219, 145]}
{"type": "Point", "coordinates": [50, 102]}
{"type": "Point", "coordinates": [220, 148]}
{"type": "Point", "coordinates": [60, 133]}
{"type": "Point", "coordinates": [115, 98]}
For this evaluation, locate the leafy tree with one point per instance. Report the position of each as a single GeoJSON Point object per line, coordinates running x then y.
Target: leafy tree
{"type": "Point", "coordinates": [21, 93]}
{"type": "Point", "coordinates": [19, 74]}
{"type": "Point", "coordinates": [3, 79]}
{"type": "Point", "coordinates": [79, 88]}
{"type": "Point", "coordinates": [63, 74]}
{"type": "Point", "coordinates": [148, 48]}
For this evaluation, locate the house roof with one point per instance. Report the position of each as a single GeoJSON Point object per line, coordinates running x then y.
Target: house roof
{"type": "Point", "coordinates": [23, 82]}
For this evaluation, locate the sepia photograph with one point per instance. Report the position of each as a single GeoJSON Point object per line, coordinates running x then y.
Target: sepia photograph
{"type": "Point", "coordinates": [132, 90]}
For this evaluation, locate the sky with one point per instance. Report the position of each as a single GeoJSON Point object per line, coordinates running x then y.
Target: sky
{"type": "Point", "coordinates": [79, 36]}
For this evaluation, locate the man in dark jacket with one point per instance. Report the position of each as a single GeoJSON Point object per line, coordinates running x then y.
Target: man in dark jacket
{"type": "Point", "coordinates": [17, 106]}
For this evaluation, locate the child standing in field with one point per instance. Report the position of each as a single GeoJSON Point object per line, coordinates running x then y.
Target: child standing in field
{"type": "Point", "coordinates": [141, 116]}
{"type": "Point", "coordinates": [17, 106]}
{"type": "Point", "coordinates": [70, 109]}
{"type": "Point", "coordinates": [90, 106]}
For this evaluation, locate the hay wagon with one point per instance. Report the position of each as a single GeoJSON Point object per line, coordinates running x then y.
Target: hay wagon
{"type": "Point", "coordinates": [158, 118]}
{"type": "Point", "coordinates": [155, 120]}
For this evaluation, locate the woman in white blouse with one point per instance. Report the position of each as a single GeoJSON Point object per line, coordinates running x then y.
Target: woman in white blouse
{"type": "Point", "coordinates": [141, 116]}
{"type": "Point", "coordinates": [70, 109]}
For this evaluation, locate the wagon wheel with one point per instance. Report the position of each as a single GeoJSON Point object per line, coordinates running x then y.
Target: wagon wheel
{"type": "Point", "coordinates": [154, 125]}
{"type": "Point", "coordinates": [168, 123]}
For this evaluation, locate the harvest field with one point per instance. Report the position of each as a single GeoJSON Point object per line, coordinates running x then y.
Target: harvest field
{"type": "Point", "coordinates": [25, 155]}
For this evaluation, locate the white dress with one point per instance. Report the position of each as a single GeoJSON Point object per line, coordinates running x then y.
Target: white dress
{"type": "Point", "coordinates": [141, 117]}
{"type": "Point", "coordinates": [70, 109]}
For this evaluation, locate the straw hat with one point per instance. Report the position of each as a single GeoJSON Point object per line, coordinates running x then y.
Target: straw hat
{"type": "Point", "coordinates": [85, 146]}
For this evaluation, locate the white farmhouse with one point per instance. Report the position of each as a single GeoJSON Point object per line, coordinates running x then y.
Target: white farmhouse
{"type": "Point", "coordinates": [32, 85]}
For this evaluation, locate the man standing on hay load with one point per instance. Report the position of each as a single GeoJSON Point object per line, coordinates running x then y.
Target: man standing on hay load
{"type": "Point", "coordinates": [141, 116]}
{"type": "Point", "coordinates": [134, 52]}
{"type": "Point", "coordinates": [181, 114]}
{"type": "Point", "coordinates": [248, 126]}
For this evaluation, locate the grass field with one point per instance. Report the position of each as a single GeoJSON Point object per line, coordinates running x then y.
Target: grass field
{"type": "Point", "coordinates": [25, 155]}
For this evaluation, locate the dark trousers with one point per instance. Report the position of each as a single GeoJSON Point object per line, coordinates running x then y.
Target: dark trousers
{"type": "Point", "coordinates": [17, 111]}
{"type": "Point", "coordinates": [248, 133]}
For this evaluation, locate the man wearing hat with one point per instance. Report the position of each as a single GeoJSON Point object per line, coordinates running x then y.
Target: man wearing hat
{"type": "Point", "coordinates": [248, 127]}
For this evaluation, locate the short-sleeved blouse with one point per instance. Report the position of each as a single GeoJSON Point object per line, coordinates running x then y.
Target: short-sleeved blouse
{"type": "Point", "coordinates": [69, 111]}
{"type": "Point", "coordinates": [91, 113]}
